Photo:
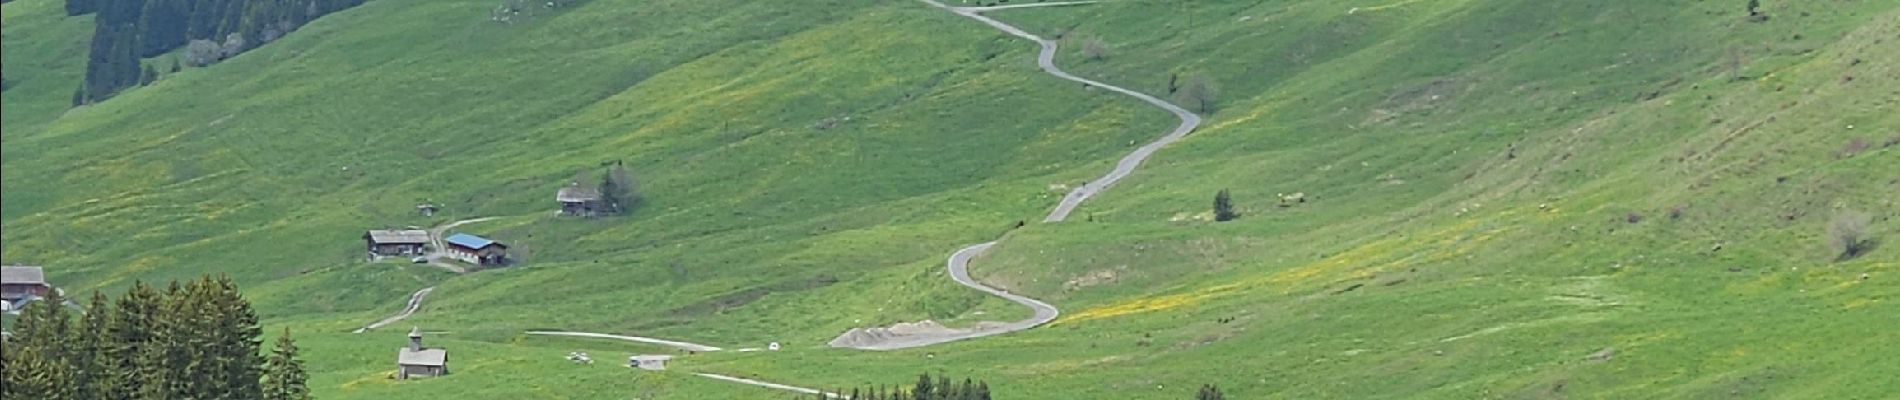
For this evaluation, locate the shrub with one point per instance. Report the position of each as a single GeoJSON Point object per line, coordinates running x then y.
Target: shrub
{"type": "Point", "coordinates": [1848, 235]}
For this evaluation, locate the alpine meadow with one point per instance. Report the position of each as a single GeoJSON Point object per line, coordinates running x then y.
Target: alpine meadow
{"type": "Point", "coordinates": [951, 199]}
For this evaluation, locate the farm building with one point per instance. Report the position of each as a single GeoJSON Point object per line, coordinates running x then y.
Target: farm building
{"type": "Point", "coordinates": [418, 361]}
{"type": "Point", "coordinates": [577, 200]}
{"type": "Point", "coordinates": [392, 242]}
{"type": "Point", "coordinates": [477, 250]}
{"type": "Point", "coordinates": [19, 282]}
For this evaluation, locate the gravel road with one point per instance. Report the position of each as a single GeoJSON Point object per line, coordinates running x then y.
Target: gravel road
{"type": "Point", "coordinates": [959, 264]}
{"type": "Point", "coordinates": [415, 302]}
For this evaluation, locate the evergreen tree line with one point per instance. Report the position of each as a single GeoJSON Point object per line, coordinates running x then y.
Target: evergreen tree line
{"type": "Point", "coordinates": [926, 388]}
{"type": "Point", "coordinates": [197, 340]}
{"type": "Point", "coordinates": [127, 31]}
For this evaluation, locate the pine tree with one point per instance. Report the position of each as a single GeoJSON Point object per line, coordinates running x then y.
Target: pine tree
{"type": "Point", "coordinates": [1208, 392]}
{"type": "Point", "coordinates": [37, 364]}
{"type": "Point", "coordinates": [619, 189]}
{"type": "Point", "coordinates": [92, 340]}
{"type": "Point", "coordinates": [79, 95]}
{"type": "Point", "coordinates": [285, 376]}
{"type": "Point", "coordinates": [148, 75]}
{"type": "Point", "coordinates": [129, 333]}
{"type": "Point", "coordinates": [1224, 207]}
{"type": "Point", "coordinates": [924, 388]}
{"type": "Point", "coordinates": [236, 340]}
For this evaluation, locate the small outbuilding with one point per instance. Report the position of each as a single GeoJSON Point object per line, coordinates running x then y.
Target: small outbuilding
{"type": "Point", "coordinates": [397, 242]}
{"type": "Point", "coordinates": [20, 282]}
{"type": "Point", "coordinates": [477, 250]}
{"type": "Point", "coordinates": [577, 200]}
{"type": "Point", "coordinates": [417, 361]}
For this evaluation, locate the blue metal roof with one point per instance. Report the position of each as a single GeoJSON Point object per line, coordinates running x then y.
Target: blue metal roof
{"type": "Point", "coordinates": [469, 241]}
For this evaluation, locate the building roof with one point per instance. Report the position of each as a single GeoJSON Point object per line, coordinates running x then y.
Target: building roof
{"type": "Point", "coordinates": [472, 241]}
{"type": "Point", "coordinates": [577, 194]}
{"type": "Point", "coordinates": [402, 236]}
{"type": "Point", "coordinates": [424, 357]}
{"type": "Point", "coordinates": [22, 275]}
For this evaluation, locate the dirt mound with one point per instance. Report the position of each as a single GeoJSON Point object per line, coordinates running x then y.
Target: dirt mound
{"type": "Point", "coordinates": [900, 332]}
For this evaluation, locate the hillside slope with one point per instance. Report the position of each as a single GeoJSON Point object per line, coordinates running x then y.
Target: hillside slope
{"type": "Point", "coordinates": [1503, 198]}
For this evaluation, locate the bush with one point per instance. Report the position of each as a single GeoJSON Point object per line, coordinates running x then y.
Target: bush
{"type": "Point", "coordinates": [1848, 235]}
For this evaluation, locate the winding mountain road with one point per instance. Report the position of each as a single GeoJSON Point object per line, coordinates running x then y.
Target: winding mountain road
{"type": "Point", "coordinates": [415, 302]}
{"type": "Point", "coordinates": [959, 264]}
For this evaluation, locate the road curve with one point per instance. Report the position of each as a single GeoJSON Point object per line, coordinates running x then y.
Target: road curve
{"type": "Point", "coordinates": [1047, 60]}
{"type": "Point", "coordinates": [415, 302]}
{"type": "Point", "coordinates": [663, 342]}
{"type": "Point", "coordinates": [959, 264]}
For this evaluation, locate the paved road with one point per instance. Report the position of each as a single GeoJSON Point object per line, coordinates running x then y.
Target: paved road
{"type": "Point", "coordinates": [959, 264]}
{"type": "Point", "coordinates": [663, 342]}
{"type": "Point", "coordinates": [415, 302]}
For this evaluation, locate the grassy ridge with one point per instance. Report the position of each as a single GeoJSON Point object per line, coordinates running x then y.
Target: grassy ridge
{"type": "Point", "coordinates": [1472, 169]}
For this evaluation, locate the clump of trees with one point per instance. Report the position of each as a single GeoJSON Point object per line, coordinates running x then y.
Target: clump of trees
{"type": "Point", "coordinates": [197, 340]}
{"type": "Point", "coordinates": [1224, 207]}
{"type": "Point", "coordinates": [127, 31]}
{"type": "Point", "coordinates": [926, 388]}
{"type": "Point", "coordinates": [1848, 235]}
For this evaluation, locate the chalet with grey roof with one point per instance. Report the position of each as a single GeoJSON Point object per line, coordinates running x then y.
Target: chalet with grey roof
{"type": "Point", "coordinates": [396, 242]}
{"type": "Point", "coordinates": [20, 282]}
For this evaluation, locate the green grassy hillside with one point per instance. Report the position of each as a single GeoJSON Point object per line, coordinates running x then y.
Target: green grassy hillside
{"type": "Point", "coordinates": [1504, 198]}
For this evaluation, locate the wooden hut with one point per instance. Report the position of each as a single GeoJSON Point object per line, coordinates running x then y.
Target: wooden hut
{"type": "Point", "coordinates": [20, 282]}
{"type": "Point", "coordinates": [577, 200]}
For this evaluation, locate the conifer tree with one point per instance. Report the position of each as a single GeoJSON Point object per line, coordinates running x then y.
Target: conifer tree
{"type": "Point", "coordinates": [92, 340]}
{"type": "Point", "coordinates": [1208, 392]}
{"type": "Point", "coordinates": [1224, 207]}
{"type": "Point", "coordinates": [128, 333]}
{"type": "Point", "coordinates": [285, 377]}
{"type": "Point", "coordinates": [236, 340]}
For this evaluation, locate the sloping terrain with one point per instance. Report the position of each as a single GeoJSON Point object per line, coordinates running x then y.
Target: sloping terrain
{"type": "Point", "coordinates": [1502, 198]}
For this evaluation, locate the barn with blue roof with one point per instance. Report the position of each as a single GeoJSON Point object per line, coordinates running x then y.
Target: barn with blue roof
{"type": "Point", "coordinates": [476, 249]}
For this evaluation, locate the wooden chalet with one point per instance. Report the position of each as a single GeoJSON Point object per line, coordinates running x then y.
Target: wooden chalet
{"type": "Point", "coordinates": [476, 250]}
{"type": "Point", "coordinates": [393, 242]}
{"type": "Point", "coordinates": [20, 282]}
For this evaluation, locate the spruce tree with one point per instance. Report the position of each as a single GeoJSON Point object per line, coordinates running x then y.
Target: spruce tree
{"type": "Point", "coordinates": [36, 365]}
{"type": "Point", "coordinates": [129, 333]}
{"type": "Point", "coordinates": [619, 189]}
{"type": "Point", "coordinates": [235, 339]}
{"type": "Point", "coordinates": [92, 339]}
{"type": "Point", "coordinates": [147, 75]}
{"type": "Point", "coordinates": [1224, 207]}
{"type": "Point", "coordinates": [1208, 392]}
{"type": "Point", "coordinates": [284, 374]}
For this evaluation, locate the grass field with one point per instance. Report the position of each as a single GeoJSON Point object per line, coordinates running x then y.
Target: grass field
{"type": "Point", "coordinates": [1505, 199]}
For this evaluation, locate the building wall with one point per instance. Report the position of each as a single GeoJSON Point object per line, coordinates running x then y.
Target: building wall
{"type": "Point", "coordinates": [396, 249]}
{"type": "Point", "coordinates": [409, 371]}
{"type": "Point", "coordinates": [17, 291]}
